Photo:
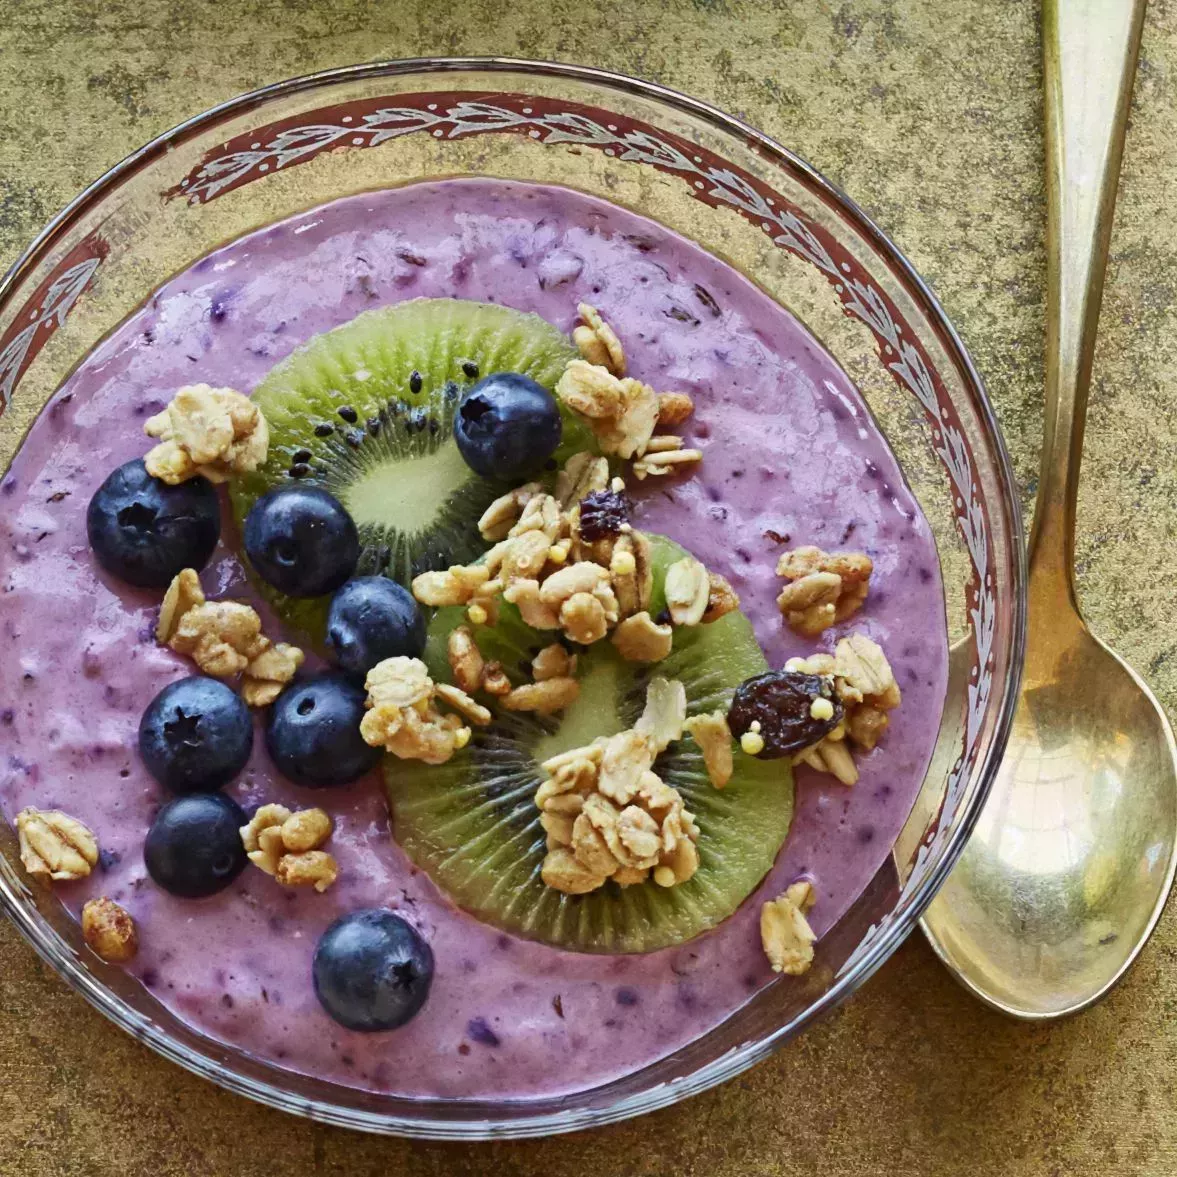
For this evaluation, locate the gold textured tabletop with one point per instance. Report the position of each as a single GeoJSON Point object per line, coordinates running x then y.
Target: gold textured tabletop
{"type": "Point", "coordinates": [929, 113]}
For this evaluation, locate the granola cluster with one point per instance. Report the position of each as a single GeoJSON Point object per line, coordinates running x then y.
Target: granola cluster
{"type": "Point", "coordinates": [785, 932]}
{"type": "Point", "coordinates": [865, 683]}
{"type": "Point", "coordinates": [225, 639]}
{"type": "Point", "coordinates": [622, 412]}
{"type": "Point", "coordinates": [54, 845]}
{"type": "Point", "coordinates": [561, 574]}
{"type": "Point", "coordinates": [109, 930]}
{"type": "Point", "coordinates": [608, 815]}
{"type": "Point", "coordinates": [823, 587]}
{"type": "Point", "coordinates": [214, 432]}
{"type": "Point", "coordinates": [402, 717]}
{"type": "Point", "coordinates": [714, 737]}
{"type": "Point", "coordinates": [288, 846]}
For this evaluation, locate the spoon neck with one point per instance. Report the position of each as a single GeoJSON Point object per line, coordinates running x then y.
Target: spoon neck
{"type": "Point", "coordinates": [1089, 56]}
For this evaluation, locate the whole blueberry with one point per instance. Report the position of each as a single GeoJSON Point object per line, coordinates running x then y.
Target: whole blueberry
{"type": "Point", "coordinates": [301, 540]}
{"type": "Point", "coordinates": [194, 847]}
{"type": "Point", "coordinates": [145, 532]}
{"type": "Point", "coordinates": [372, 970]}
{"type": "Point", "coordinates": [372, 618]}
{"type": "Point", "coordinates": [314, 732]}
{"type": "Point", "coordinates": [507, 426]}
{"type": "Point", "coordinates": [195, 735]}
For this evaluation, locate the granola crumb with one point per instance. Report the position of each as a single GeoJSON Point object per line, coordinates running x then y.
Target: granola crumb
{"type": "Point", "coordinates": [597, 342]}
{"type": "Point", "coordinates": [288, 846]}
{"type": "Point", "coordinates": [109, 930]}
{"type": "Point", "coordinates": [54, 845]}
{"type": "Point", "coordinates": [267, 674]}
{"type": "Point", "coordinates": [401, 718]}
{"type": "Point", "coordinates": [714, 737]}
{"type": "Point", "coordinates": [785, 932]}
{"type": "Point", "coordinates": [823, 588]}
{"type": "Point", "coordinates": [213, 432]}
{"type": "Point", "coordinates": [688, 589]}
{"type": "Point", "coordinates": [546, 697]}
{"type": "Point", "coordinates": [674, 408]}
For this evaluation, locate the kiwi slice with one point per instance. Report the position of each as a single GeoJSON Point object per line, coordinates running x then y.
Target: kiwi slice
{"type": "Point", "coordinates": [366, 411]}
{"type": "Point", "coordinates": [473, 826]}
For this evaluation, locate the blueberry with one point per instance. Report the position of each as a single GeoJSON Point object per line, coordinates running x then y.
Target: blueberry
{"type": "Point", "coordinates": [194, 848]}
{"type": "Point", "coordinates": [507, 426]}
{"type": "Point", "coordinates": [314, 732]}
{"type": "Point", "coordinates": [144, 531]}
{"type": "Point", "coordinates": [301, 540]}
{"type": "Point", "coordinates": [195, 735]}
{"type": "Point", "coordinates": [372, 970]}
{"type": "Point", "coordinates": [372, 618]}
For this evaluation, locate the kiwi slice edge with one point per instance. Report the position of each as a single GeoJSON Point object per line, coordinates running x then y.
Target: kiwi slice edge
{"type": "Point", "coordinates": [473, 827]}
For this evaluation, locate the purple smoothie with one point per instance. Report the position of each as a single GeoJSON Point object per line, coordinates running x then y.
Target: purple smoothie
{"type": "Point", "coordinates": [789, 449]}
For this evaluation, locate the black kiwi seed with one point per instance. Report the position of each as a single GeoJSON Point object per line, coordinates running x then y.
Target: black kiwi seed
{"type": "Point", "coordinates": [354, 438]}
{"type": "Point", "coordinates": [470, 368]}
{"type": "Point", "coordinates": [415, 381]}
{"type": "Point", "coordinates": [348, 414]}
{"type": "Point", "coordinates": [324, 429]}
{"type": "Point", "coordinates": [373, 425]}
{"type": "Point", "coordinates": [299, 470]}
{"type": "Point", "coordinates": [302, 456]}
{"type": "Point", "coordinates": [452, 391]}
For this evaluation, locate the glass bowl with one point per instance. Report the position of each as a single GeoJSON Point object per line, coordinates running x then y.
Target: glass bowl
{"type": "Point", "coordinates": [282, 149]}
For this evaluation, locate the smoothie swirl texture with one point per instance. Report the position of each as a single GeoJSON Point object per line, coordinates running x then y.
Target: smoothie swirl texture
{"type": "Point", "coordinates": [789, 449]}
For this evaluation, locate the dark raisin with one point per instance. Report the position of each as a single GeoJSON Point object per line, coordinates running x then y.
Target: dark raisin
{"type": "Point", "coordinates": [780, 701]}
{"type": "Point", "coordinates": [348, 414]}
{"type": "Point", "coordinates": [324, 429]}
{"type": "Point", "coordinates": [470, 368]}
{"type": "Point", "coordinates": [601, 515]}
{"type": "Point", "coordinates": [415, 381]}
{"type": "Point", "coordinates": [776, 536]}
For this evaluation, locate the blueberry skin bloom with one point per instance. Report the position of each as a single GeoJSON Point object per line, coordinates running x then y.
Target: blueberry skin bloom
{"type": "Point", "coordinates": [196, 735]}
{"type": "Point", "coordinates": [372, 971]}
{"type": "Point", "coordinates": [314, 732]}
{"type": "Point", "coordinates": [194, 846]}
{"type": "Point", "coordinates": [372, 618]}
{"type": "Point", "coordinates": [507, 426]}
{"type": "Point", "coordinates": [301, 540]}
{"type": "Point", "coordinates": [145, 532]}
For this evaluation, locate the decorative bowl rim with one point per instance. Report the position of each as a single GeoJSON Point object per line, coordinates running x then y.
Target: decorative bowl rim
{"type": "Point", "coordinates": [48, 946]}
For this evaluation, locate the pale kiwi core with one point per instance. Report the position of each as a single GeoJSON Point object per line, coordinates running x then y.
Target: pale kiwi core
{"type": "Point", "coordinates": [409, 495]}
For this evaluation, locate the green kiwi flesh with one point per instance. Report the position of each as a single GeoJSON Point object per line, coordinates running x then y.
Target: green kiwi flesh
{"type": "Point", "coordinates": [366, 411]}
{"type": "Point", "coordinates": [472, 825]}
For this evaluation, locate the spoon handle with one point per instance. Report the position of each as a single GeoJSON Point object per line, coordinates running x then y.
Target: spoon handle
{"type": "Point", "coordinates": [1089, 57]}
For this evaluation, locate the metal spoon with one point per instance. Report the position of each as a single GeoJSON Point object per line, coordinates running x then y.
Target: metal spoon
{"type": "Point", "coordinates": [1073, 856]}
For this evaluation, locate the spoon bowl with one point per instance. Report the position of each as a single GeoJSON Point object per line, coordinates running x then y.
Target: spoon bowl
{"type": "Point", "coordinates": [1068, 867]}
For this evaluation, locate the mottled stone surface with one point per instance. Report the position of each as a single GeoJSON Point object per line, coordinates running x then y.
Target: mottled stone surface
{"type": "Point", "coordinates": [929, 114]}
